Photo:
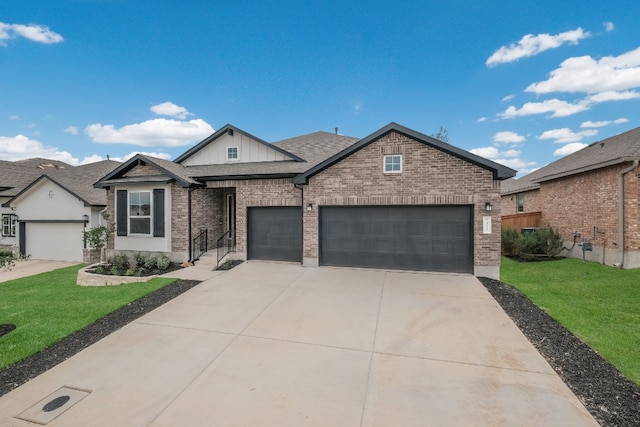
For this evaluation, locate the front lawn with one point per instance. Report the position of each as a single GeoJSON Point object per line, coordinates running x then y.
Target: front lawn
{"type": "Point", "coordinates": [598, 303]}
{"type": "Point", "coordinates": [49, 306]}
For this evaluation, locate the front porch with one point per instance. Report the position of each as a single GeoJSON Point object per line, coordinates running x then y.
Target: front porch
{"type": "Point", "coordinates": [212, 223]}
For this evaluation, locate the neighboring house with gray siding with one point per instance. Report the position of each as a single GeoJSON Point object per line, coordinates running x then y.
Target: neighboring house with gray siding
{"type": "Point", "coordinates": [395, 199]}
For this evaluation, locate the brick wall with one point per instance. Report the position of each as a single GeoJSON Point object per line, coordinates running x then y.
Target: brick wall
{"type": "Point", "coordinates": [258, 192]}
{"type": "Point", "coordinates": [429, 177]}
{"type": "Point", "coordinates": [587, 200]}
{"type": "Point", "coordinates": [509, 203]}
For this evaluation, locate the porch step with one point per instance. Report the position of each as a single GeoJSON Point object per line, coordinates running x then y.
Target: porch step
{"type": "Point", "coordinates": [207, 259]}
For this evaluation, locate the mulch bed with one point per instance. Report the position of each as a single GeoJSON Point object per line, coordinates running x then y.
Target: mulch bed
{"type": "Point", "coordinates": [20, 372]}
{"type": "Point", "coordinates": [612, 399]}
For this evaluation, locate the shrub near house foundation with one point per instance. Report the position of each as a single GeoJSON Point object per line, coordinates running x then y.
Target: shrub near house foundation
{"type": "Point", "coordinates": [544, 242]}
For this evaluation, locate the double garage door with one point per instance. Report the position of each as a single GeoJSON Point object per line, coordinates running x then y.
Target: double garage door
{"type": "Point", "coordinates": [428, 238]}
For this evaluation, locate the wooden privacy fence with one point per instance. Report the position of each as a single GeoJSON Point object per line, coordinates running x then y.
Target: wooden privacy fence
{"type": "Point", "coordinates": [522, 220]}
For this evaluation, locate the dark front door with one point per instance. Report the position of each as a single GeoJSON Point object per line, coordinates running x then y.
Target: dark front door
{"type": "Point", "coordinates": [274, 233]}
{"type": "Point", "coordinates": [429, 238]}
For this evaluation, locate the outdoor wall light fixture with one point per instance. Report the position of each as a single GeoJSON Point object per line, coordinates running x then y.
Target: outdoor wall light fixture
{"type": "Point", "coordinates": [85, 218]}
{"type": "Point", "coordinates": [488, 207]}
{"type": "Point", "coordinates": [310, 206]}
{"type": "Point", "coordinates": [51, 194]}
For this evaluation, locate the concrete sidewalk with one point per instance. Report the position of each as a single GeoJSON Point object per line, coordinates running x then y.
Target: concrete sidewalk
{"type": "Point", "coordinates": [279, 344]}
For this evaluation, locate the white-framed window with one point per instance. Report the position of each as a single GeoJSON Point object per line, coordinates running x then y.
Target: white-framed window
{"type": "Point", "coordinates": [233, 153]}
{"type": "Point", "coordinates": [140, 212]}
{"type": "Point", "coordinates": [8, 225]}
{"type": "Point", "coordinates": [392, 163]}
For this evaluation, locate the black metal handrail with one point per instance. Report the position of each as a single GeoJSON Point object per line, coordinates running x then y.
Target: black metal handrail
{"type": "Point", "coordinates": [225, 244]}
{"type": "Point", "coordinates": [200, 244]}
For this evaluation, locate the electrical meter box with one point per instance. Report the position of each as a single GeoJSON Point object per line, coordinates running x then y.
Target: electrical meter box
{"type": "Point", "coordinates": [586, 246]}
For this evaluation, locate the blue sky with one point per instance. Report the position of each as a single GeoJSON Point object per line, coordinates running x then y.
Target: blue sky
{"type": "Point", "coordinates": [519, 82]}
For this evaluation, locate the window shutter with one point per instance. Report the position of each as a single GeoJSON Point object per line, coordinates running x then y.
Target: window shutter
{"type": "Point", "coordinates": [121, 212]}
{"type": "Point", "coordinates": [158, 212]}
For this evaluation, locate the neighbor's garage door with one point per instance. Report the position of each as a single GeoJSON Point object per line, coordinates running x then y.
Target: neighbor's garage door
{"type": "Point", "coordinates": [274, 233]}
{"type": "Point", "coordinates": [429, 238]}
{"type": "Point", "coordinates": [56, 241]}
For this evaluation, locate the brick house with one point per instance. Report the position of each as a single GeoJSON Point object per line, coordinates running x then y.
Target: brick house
{"type": "Point", "coordinates": [396, 199]}
{"type": "Point", "coordinates": [593, 191]}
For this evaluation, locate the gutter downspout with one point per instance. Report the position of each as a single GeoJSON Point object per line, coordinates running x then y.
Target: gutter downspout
{"type": "Point", "coordinates": [621, 175]}
{"type": "Point", "coordinates": [189, 224]}
{"type": "Point", "coordinates": [301, 188]}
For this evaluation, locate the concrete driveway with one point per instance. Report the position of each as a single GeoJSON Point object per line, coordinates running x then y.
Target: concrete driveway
{"type": "Point", "coordinates": [278, 344]}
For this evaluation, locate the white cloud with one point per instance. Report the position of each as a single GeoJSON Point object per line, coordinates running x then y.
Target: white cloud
{"type": "Point", "coordinates": [602, 123]}
{"type": "Point", "coordinates": [569, 148]}
{"type": "Point", "coordinates": [14, 117]}
{"type": "Point", "coordinates": [507, 137]}
{"type": "Point", "coordinates": [509, 158]}
{"type": "Point", "coordinates": [487, 152]}
{"type": "Point", "coordinates": [587, 75]}
{"type": "Point", "coordinates": [20, 147]}
{"type": "Point", "coordinates": [557, 107]}
{"type": "Point", "coordinates": [73, 130]}
{"type": "Point", "coordinates": [609, 26]}
{"type": "Point", "coordinates": [152, 133]}
{"type": "Point", "coordinates": [482, 119]}
{"type": "Point", "coordinates": [517, 164]}
{"type": "Point", "coordinates": [613, 96]}
{"type": "Point", "coordinates": [33, 32]}
{"type": "Point", "coordinates": [508, 98]}
{"type": "Point", "coordinates": [97, 158]}
{"type": "Point", "coordinates": [531, 45]}
{"type": "Point", "coordinates": [565, 135]}
{"type": "Point", "coordinates": [171, 109]}
{"type": "Point", "coordinates": [511, 153]}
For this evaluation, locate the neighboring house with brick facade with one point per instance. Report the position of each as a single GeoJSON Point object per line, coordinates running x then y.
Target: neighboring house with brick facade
{"type": "Point", "coordinates": [396, 199]}
{"type": "Point", "coordinates": [593, 192]}
{"type": "Point", "coordinates": [45, 205]}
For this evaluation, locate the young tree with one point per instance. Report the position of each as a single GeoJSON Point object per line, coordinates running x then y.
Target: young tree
{"type": "Point", "coordinates": [442, 134]}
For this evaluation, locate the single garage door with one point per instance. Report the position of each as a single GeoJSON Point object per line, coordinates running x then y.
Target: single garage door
{"type": "Point", "coordinates": [428, 238]}
{"type": "Point", "coordinates": [55, 241]}
{"type": "Point", "coordinates": [274, 233]}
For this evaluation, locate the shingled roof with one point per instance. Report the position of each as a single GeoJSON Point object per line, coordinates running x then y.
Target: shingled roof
{"type": "Point", "coordinates": [15, 176]}
{"type": "Point", "coordinates": [77, 180]}
{"type": "Point", "coordinates": [617, 149]}
{"type": "Point", "coordinates": [306, 151]}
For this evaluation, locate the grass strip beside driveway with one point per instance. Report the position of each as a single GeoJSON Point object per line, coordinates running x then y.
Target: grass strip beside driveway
{"type": "Point", "coordinates": [49, 306]}
{"type": "Point", "coordinates": [597, 303]}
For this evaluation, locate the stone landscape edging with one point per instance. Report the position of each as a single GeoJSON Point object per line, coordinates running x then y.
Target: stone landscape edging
{"type": "Point", "coordinates": [92, 279]}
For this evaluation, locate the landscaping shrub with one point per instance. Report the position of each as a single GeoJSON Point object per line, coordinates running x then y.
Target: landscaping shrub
{"type": "Point", "coordinates": [119, 262]}
{"type": "Point", "coordinates": [163, 263]}
{"type": "Point", "coordinates": [137, 261]}
{"type": "Point", "coordinates": [545, 241]}
{"type": "Point", "coordinates": [510, 242]}
{"type": "Point", "coordinates": [7, 260]}
{"type": "Point", "coordinates": [151, 263]}
{"type": "Point", "coordinates": [135, 265]}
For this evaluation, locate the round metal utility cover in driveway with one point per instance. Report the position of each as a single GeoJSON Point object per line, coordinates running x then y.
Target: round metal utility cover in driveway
{"type": "Point", "coordinates": [274, 233]}
{"type": "Point", "coordinates": [428, 238]}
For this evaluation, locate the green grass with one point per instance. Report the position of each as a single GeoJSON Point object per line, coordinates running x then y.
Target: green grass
{"type": "Point", "coordinates": [49, 306]}
{"type": "Point", "coordinates": [598, 303]}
